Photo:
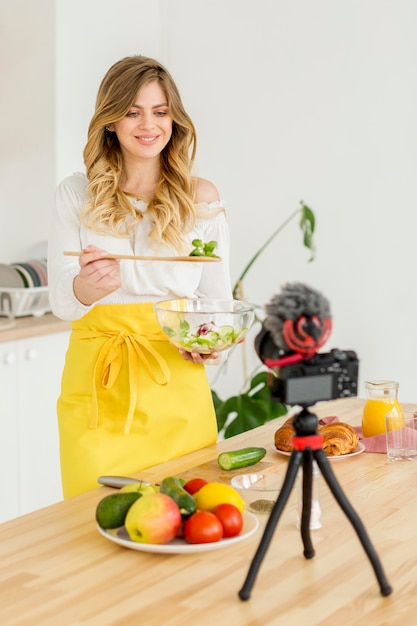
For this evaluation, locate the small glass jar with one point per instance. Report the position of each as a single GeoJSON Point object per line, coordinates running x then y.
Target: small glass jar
{"type": "Point", "coordinates": [315, 517]}
{"type": "Point", "coordinates": [382, 398]}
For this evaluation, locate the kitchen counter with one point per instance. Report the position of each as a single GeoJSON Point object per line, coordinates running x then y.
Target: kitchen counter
{"type": "Point", "coordinates": [55, 567]}
{"type": "Point", "coordinates": [32, 326]}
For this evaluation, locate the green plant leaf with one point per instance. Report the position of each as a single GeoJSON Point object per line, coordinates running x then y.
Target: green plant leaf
{"type": "Point", "coordinates": [260, 390]}
{"type": "Point", "coordinates": [307, 225]}
{"type": "Point", "coordinates": [250, 414]}
{"type": "Point", "coordinates": [223, 409]}
{"type": "Point", "coordinates": [247, 410]}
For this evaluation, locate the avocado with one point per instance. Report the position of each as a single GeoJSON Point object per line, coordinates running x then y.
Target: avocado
{"type": "Point", "coordinates": [112, 510]}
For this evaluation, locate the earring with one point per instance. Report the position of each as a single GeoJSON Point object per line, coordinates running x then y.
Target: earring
{"type": "Point", "coordinates": [107, 128]}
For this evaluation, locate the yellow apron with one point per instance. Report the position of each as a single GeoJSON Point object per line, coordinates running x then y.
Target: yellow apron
{"type": "Point", "coordinates": [128, 399]}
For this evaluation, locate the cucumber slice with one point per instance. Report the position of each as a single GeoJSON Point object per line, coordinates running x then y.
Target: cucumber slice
{"type": "Point", "coordinates": [236, 459]}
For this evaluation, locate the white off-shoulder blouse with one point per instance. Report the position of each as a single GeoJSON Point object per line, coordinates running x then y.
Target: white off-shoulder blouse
{"type": "Point", "coordinates": [142, 281]}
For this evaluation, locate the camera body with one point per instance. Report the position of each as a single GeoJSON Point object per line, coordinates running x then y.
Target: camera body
{"type": "Point", "coordinates": [325, 376]}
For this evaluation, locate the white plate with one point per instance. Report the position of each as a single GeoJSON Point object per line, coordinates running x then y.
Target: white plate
{"type": "Point", "coordinates": [180, 546]}
{"type": "Point", "coordinates": [358, 450]}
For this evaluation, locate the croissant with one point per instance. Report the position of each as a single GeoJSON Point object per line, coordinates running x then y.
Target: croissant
{"type": "Point", "coordinates": [338, 438]}
{"type": "Point", "coordinates": [284, 435]}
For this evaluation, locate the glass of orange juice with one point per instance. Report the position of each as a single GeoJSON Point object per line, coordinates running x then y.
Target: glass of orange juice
{"type": "Point", "coordinates": [382, 398]}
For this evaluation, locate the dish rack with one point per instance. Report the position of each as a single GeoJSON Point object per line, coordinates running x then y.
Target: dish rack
{"type": "Point", "coordinates": [22, 301]}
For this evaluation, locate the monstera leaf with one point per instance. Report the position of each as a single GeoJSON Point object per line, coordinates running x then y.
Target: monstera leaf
{"type": "Point", "coordinates": [247, 410]}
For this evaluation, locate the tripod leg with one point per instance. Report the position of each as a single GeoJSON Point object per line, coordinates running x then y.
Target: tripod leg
{"type": "Point", "coordinates": [354, 519]}
{"type": "Point", "coordinates": [309, 551]}
{"type": "Point", "coordinates": [289, 480]}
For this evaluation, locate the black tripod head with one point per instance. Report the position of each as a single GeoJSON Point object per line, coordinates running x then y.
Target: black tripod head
{"type": "Point", "coordinates": [305, 422]}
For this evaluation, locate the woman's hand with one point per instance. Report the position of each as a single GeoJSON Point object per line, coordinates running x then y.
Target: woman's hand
{"type": "Point", "coordinates": [196, 357]}
{"type": "Point", "coordinates": [98, 276]}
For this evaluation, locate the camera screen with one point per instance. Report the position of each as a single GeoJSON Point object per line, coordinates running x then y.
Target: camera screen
{"type": "Point", "coordinates": [309, 389]}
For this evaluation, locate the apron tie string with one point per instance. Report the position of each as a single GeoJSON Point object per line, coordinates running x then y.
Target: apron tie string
{"type": "Point", "coordinates": [109, 363]}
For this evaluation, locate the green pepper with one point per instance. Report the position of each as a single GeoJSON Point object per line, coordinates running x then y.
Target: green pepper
{"type": "Point", "coordinates": [172, 487]}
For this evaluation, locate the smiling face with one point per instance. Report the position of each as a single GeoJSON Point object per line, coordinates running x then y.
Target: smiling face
{"type": "Point", "coordinates": [147, 127]}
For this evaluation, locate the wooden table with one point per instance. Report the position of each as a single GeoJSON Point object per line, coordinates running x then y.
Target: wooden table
{"type": "Point", "coordinates": [57, 570]}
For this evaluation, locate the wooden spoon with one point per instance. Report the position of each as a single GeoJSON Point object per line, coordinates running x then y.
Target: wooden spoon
{"type": "Point", "coordinates": [192, 259]}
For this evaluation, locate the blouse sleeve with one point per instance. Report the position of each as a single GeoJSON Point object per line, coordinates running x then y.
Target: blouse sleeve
{"type": "Point", "coordinates": [212, 226]}
{"type": "Point", "coordinates": [64, 234]}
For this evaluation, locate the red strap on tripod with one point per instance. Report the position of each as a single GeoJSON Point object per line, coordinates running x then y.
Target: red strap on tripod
{"type": "Point", "coordinates": [314, 442]}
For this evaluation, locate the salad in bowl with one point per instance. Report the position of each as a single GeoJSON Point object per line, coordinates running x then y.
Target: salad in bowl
{"type": "Point", "coordinates": [205, 325]}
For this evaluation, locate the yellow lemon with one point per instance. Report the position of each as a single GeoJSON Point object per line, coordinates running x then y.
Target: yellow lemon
{"type": "Point", "coordinates": [212, 494]}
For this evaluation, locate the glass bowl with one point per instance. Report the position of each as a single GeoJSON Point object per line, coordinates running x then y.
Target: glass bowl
{"type": "Point", "coordinates": [259, 490]}
{"type": "Point", "coordinates": [205, 326]}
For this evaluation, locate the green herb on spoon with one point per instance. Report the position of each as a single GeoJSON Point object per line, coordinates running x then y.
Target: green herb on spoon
{"type": "Point", "coordinates": [203, 249]}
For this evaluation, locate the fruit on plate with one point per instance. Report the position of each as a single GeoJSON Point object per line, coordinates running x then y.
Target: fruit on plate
{"type": "Point", "coordinates": [173, 487]}
{"type": "Point", "coordinates": [138, 487]}
{"type": "Point", "coordinates": [111, 511]}
{"type": "Point", "coordinates": [194, 484]}
{"type": "Point", "coordinates": [203, 527]}
{"type": "Point", "coordinates": [153, 518]}
{"type": "Point", "coordinates": [215, 493]}
{"type": "Point", "coordinates": [230, 517]}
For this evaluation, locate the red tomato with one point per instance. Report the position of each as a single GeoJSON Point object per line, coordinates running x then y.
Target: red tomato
{"type": "Point", "coordinates": [194, 484]}
{"type": "Point", "coordinates": [203, 527]}
{"type": "Point", "coordinates": [230, 517]}
{"type": "Point", "coordinates": [180, 533]}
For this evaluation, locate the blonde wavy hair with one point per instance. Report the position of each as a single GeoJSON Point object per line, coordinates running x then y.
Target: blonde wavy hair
{"type": "Point", "coordinates": [108, 209]}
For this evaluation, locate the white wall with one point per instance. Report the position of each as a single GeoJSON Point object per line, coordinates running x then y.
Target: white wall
{"type": "Point", "coordinates": [316, 101]}
{"type": "Point", "coordinates": [91, 36]}
{"type": "Point", "coordinates": [27, 118]}
{"type": "Point", "coordinates": [292, 100]}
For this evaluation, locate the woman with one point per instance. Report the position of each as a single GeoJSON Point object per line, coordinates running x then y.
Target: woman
{"type": "Point", "coordinates": [129, 399]}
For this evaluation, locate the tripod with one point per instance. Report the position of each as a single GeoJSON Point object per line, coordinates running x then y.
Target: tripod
{"type": "Point", "coordinates": [307, 443]}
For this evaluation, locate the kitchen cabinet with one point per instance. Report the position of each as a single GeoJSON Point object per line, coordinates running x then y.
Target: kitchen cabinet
{"type": "Point", "coordinates": [30, 378]}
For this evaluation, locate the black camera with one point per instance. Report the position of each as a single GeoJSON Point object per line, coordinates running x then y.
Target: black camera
{"type": "Point", "coordinates": [325, 376]}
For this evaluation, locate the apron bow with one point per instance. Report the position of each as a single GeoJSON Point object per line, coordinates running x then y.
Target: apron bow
{"type": "Point", "coordinates": [109, 363]}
